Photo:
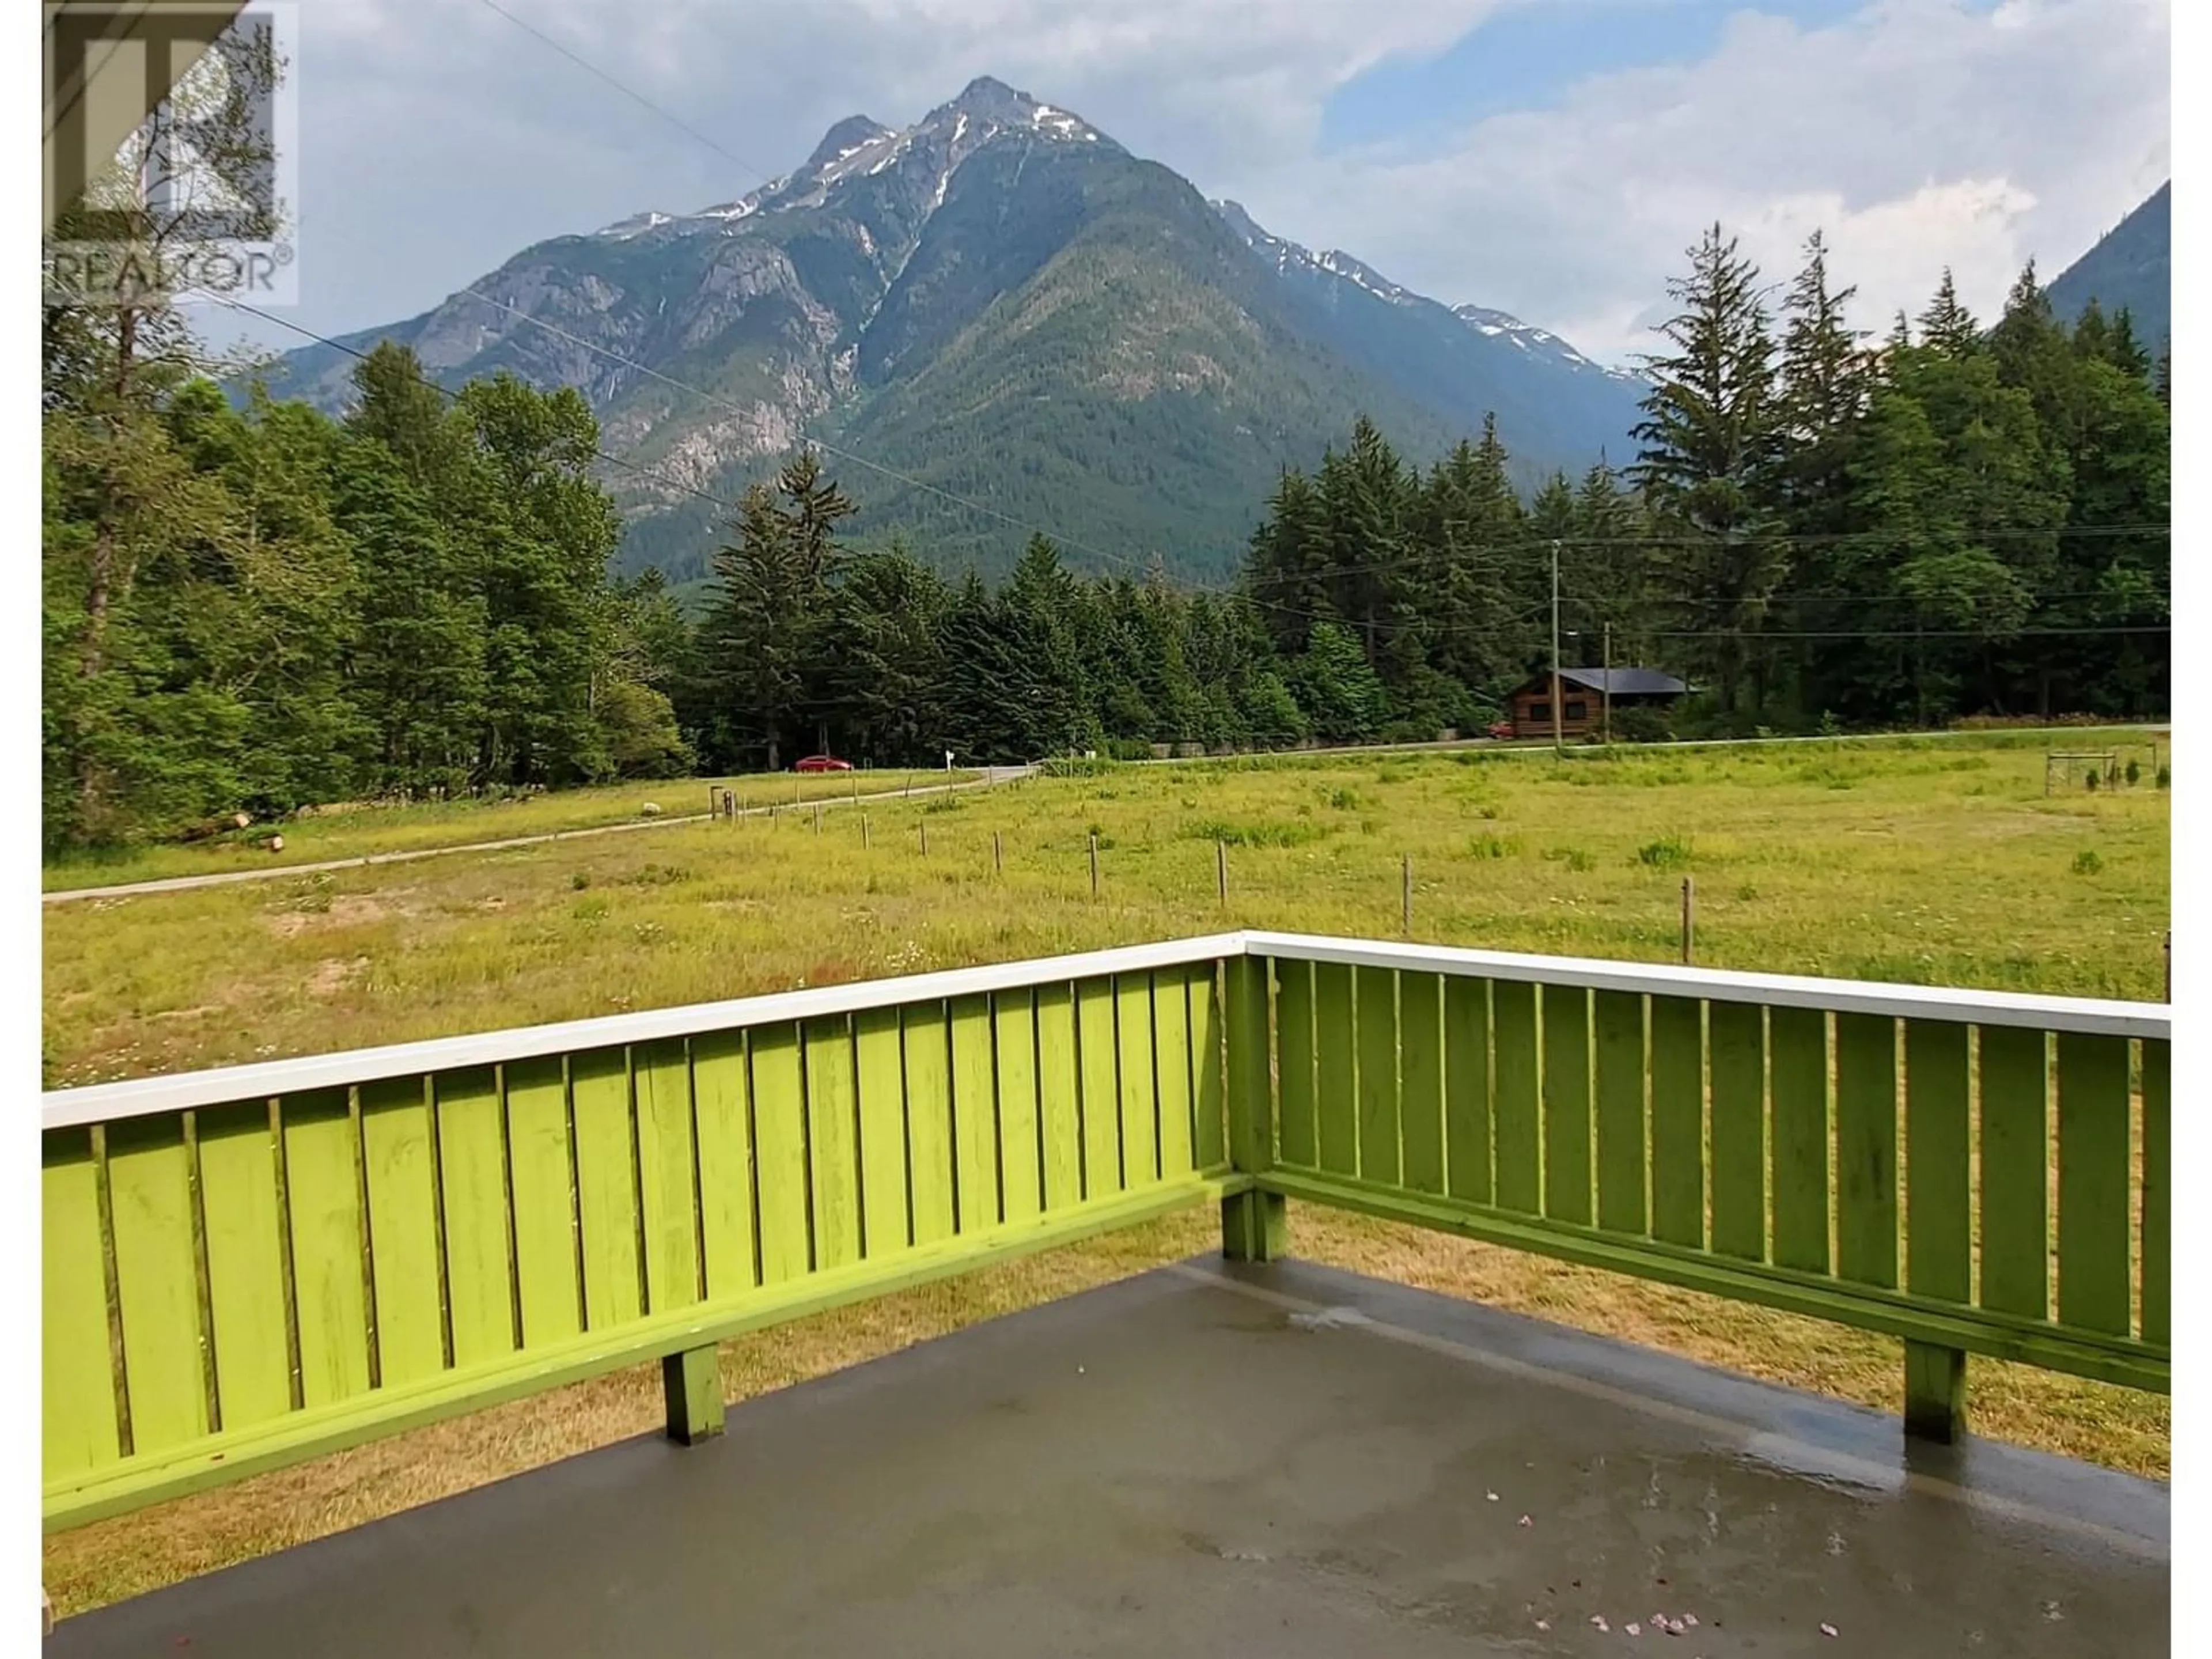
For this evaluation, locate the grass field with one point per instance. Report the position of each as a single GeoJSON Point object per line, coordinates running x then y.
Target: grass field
{"type": "Point", "coordinates": [363, 830]}
{"type": "Point", "coordinates": [1920, 861]}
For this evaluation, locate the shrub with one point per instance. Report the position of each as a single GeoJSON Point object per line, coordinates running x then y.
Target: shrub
{"type": "Point", "coordinates": [2086, 863]}
{"type": "Point", "coordinates": [1252, 835]}
{"type": "Point", "coordinates": [2091, 780]}
{"type": "Point", "coordinates": [1488, 846]}
{"type": "Point", "coordinates": [579, 881]}
{"type": "Point", "coordinates": [1573, 856]}
{"type": "Point", "coordinates": [2135, 773]}
{"type": "Point", "coordinates": [1643, 724]}
{"type": "Point", "coordinates": [1668, 853]}
{"type": "Point", "coordinates": [2165, 778]}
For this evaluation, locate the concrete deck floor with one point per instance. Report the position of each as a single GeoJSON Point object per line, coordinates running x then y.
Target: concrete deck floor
{"type": "Point", "coordinates": [1192, 1463]}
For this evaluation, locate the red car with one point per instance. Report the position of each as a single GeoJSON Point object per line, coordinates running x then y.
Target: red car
{"type": "Point", "coordinates": [1502, 730]}
{"type": "Point", "coordinates": [823, 763]}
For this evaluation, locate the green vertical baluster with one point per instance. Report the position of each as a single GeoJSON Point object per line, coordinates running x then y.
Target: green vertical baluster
{"type": "Point", "coordinates": [1515, 1106]}
{"type": "Point", "coordinates": [149, 1186]}
{"type": "Point", "coordinates": [1139, 1097]}
{"type": "Point", "coordinates": [667, 1166]}
{"type": "Point", "coordinates": [1619, 1018]}
{"type": "Point", "coordinates": [2157, 1192]}
{"type": "Point", "coordinates": [1209, 1103]}
{"type": "Point", "coordinates": [1866, 1149]}
{"type": "Point", "coordinates": [1376, 992]}
{"type": "Point", "coordinates": [1466, 1087]}
{"type": "Point", "coordinates": [1253, 1224]}
{"type": "Point", "coordinates": [974, 1114]}
{"type": "Point", "coordinates": [323, 1186]}
{"type": "Point", "coordinates": [76, 1418]}
{"type": "Point", "coordinates": [1060, 1097]}
{"type": "Point", "coordinates": [779, 1097]}
{"type": "Point", "coordinates": [1421, 1107]}
{"type": "Point", "coordinates": [1101, 1089]}
{"type": "Point", "coordinates": [833, 1153]}
{"type": "Point", "coordinates": [1737, 1037]}
{"type": "Point", "coordinates": [2015, 1172]}
{"type": "Point", "coordinates": [1938, 1194]}
{"type": "Point", "coordinates": [2093, 1183]}
{"type": "Point", "coordinates": [472, 1188]}
{"type": "Point", "coordinates": [246, 1264]}
{"type": "Point", "coordinates": [1678, 1122]}
{"type": "Point", "coordinates": [1013, 1026]}
{"type": "Point", "coordinates": [403, 1229]}
{"type": "Point", "coordinates": [1294, 1035]}
{"type": "Point", "coordinates": [1171, 1046]}
{"type": "Point", "coordinates": [722, 1112]}
{"type": "Point", "coordinates": [1566, 1024]}
{"type": "Point", "coordinates": [1799, 1064]}
{"type": "Point", "coordinates": [929, 1122]}
{"type": "Point", "coordinates": [880, 1073]}
{"type": "Point", "coordinates": [1335, 1044]}
{"type": "Point", "coordinates": [542, 1182]}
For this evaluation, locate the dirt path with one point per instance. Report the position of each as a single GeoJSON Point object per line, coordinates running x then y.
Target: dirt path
{"type": "Point", "coordinates": [994, 775]}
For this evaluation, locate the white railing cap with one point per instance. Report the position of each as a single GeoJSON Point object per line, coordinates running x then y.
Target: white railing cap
{"type": "Point", "coordinates": [2090, 1015]}
{"type": "Point", "coordinates": [104, 1103]}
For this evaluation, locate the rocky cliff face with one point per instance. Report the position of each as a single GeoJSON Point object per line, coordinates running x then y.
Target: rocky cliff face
{"type": "Point", "coordinates": [1001, 304]}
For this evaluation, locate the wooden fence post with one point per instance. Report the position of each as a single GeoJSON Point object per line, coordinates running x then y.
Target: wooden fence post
{"type": "Point", "coordinates": [1935, 1391]}
{"type": "Point", "coordinates": [1094, 864]}
{"type": "Point", "coordinates": [1406, 894]}
{"type": "Point", "coordinates": [998, 855]}
{"type": "Point", "coordinates": [1221, 871]}
{"type": "Point", "coordinates": [864, 830]}
{"type": "Point", "coordinates": [691, 1385]}
{"type": "Point", "coordinates": [1689, 914]}
{"type": "Point", "coordinates": [925, 841]}
{"type": "Point", "coordinates": [817, 818]}
{"type": "Point", "coordinates": [2166, 951]}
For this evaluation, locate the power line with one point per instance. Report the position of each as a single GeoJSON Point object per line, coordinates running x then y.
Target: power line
{"type": "Point", "coordinates": [893, 473]}
{"type": "Point", "coordinates": [1645, 543]}
{"type": "Point", "coordinates": [1752, 636]}
{"type": "Point", "coordinates": [628, 92]}
{"type": "Point", "coordinates": [451, 396]}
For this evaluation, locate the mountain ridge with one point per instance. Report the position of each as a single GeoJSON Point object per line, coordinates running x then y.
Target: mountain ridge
{"type": "Point", "coordinates": [2131, 265]}
{"type": "Point", "coordinates": [1002, 303]}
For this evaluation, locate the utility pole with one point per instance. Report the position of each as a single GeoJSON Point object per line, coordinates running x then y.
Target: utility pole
{"type": "Point", "coordinates": [1604, 693]}
{"type": "Point", "coordinates": [1558, 735]}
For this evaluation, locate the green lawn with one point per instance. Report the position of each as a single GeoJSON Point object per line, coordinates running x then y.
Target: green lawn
{"type": "Point", "coordinates": [362, 830]}
{"type": "Point", "coordinates": [1932, 862]}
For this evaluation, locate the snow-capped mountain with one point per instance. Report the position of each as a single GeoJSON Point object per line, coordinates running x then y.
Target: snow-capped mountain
{"type": "Point", "coordinates": [1001, 303]}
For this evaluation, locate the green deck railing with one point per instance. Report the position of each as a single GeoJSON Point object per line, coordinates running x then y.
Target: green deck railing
{"type": "Point", "coordinates": [249, 1266]}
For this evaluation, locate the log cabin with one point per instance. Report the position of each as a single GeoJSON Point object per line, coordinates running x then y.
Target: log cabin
{"type": "Point", "coordinates": [1584, 695]}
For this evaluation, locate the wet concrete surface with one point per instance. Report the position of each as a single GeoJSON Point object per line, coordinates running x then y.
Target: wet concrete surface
{"type": "Point", "coordinates": [1215, 1461]}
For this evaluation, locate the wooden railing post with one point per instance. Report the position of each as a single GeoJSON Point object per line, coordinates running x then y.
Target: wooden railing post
{"type": "Point", "coordinates": [692, 1382]}
{"type": "Point", "coordinates": [1935, 1392]}
{"type": "Point", "coordinates": [1255, 1226]}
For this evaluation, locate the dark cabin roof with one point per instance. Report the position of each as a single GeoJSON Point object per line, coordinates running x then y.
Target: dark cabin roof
{"type": "Point", "coordinates": [1616, 682]}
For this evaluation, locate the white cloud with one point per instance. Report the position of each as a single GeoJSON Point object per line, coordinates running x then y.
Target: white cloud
{"type": "Point", "coordinates": [1919, 134]}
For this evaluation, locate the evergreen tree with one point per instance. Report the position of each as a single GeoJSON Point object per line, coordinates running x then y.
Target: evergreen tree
{"type": "Point", "coordinates": [1711, 447]}
{"type": "Point", "coordinates": [1946, 327]}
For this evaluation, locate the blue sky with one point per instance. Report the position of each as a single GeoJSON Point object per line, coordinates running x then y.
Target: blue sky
{"type": "Point", "coordinates": [1528, 56]}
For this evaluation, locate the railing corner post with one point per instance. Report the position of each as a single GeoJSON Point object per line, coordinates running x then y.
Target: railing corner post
{"type": "Point", "coordinates": [1253, 1224]}
{"type": "Point", "coordinates": [1935, 1392]}
{"type": "Point", "coordinates": [692, 1382]}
